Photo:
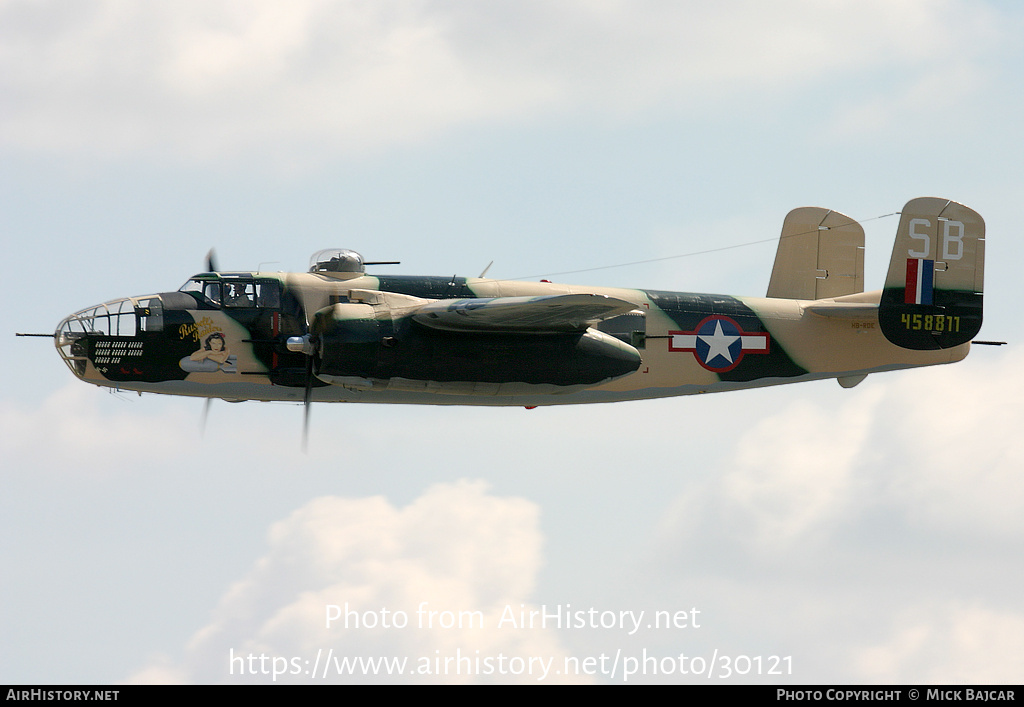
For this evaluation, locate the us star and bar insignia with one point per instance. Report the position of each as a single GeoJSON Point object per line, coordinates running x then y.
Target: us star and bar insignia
{"type": "Point", "coordinates": [718, 343]}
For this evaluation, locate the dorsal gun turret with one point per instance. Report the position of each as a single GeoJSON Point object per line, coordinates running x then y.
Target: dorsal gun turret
{"type": "Point", "coordinates": [337, 260]}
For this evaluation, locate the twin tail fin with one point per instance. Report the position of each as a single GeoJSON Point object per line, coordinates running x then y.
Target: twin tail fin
{"type": "Point", "coordinates": [932, 297]}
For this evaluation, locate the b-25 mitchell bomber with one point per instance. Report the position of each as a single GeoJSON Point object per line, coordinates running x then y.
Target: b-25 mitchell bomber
{"type": "Point", "coordinates": [338, 334]}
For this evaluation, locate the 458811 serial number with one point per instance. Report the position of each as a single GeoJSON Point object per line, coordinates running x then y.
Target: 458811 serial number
{"type": "Point", "coordinates": [931, 322]}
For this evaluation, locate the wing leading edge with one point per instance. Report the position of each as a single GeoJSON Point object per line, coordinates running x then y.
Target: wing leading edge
{"type": "Point", "coordinates": [538, 315]}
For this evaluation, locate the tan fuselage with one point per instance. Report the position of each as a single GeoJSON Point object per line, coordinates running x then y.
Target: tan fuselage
{"type": "Point", "coordinates": [760, 342]}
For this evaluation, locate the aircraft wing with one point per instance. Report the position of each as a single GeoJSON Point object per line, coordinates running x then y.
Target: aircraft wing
{"type": "Point", "coordinates": [545, 314]}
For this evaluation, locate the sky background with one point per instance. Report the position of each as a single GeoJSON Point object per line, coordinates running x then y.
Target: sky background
{"type": "Point", "coordinates": [874, 534]}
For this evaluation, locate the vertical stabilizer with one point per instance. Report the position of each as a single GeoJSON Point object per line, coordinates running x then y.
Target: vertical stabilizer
{"type": "Point", "coordinates": [820, 255]}
{"type": "Point", "coordinates": [933, 291]}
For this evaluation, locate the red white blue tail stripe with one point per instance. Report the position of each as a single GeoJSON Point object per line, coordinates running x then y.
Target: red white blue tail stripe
{"type": "Point", "coordinates": [920, 279]}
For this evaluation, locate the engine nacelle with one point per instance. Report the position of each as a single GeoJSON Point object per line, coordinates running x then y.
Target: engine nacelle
{"type": "Point", "coordinates": [366, 346]}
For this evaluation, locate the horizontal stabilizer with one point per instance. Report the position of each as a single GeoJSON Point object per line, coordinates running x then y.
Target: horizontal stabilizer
{"type": "Point", "coordinates": [539, 315]}
{"type": "Point", "coordinates": [843, 310]}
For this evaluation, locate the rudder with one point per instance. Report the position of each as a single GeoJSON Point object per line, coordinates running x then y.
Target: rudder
{"type": "Point", "coordinates": [933, 292]}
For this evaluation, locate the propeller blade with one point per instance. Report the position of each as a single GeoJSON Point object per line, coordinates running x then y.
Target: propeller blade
{"type": "Point", "coordinates": [206, 414]}
{"type": "Point", "coordinates": [307, 401]}
{"type": "Point", "coordinates": [211, 261]}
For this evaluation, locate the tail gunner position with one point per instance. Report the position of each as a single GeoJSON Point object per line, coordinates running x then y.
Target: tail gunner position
{"type": "Point", "coordinates": [337, 334]}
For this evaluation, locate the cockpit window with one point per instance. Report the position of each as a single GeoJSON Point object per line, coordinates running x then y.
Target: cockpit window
{"type": "Point", "coordinates": [211, 292]}
{"type": "Point", "coordinates": [196, 289]}
{"type": "Point", "coordinates": [238, 293]}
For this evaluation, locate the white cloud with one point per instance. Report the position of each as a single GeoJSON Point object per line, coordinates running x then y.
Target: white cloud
{"type": "Point", "coordinates": [956, 447]}
{"type": "Point", "coordinates": [72, 430]}
{"type": "Point", "coordinates": [455, 549]}
{"type": "Point", "coordinates": [205, 80]}
{"type": "Point", "coordinates": [947, 644]}
{"type": "Point", "coordinates": [940, 102]}
{"type": "Point", "coordinates": [879, 524]}
{"type": "Point", "coordinates": [794, 473]}
{"type": "Point", "coordinates": [937, 448]}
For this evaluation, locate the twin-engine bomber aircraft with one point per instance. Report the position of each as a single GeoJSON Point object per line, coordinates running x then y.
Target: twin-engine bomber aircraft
{"type": "Point", "coordinates": [336, 334]}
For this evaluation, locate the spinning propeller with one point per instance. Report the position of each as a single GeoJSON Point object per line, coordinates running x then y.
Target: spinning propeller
{"type": "Point", "coordinates": [307, 401]}
{"type": "Point", "coordinates": [303, 344]}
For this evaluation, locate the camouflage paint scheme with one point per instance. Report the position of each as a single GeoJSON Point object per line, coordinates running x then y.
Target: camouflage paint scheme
{"type": "Point", "coordinates": [353, 337]}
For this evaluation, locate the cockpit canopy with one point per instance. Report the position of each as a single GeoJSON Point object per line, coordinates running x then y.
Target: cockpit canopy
{"type": "Point", "coordinates": [230, 290]}
{"type": "Point", "coordinates": [337, 260]}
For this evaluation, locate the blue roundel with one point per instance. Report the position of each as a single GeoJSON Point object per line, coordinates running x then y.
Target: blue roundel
{"type": "Point", "coordinates": [719, 344]}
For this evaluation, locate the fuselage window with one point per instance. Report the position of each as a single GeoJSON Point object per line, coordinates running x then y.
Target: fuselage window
{"type": "Point", "coordinates": [151, 314]}
{"type": "Point", "coordinates": [268, 294]}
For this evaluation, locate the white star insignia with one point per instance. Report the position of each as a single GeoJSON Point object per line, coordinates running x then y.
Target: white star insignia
{"type": "Point", "coordinates": [719, 344]}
